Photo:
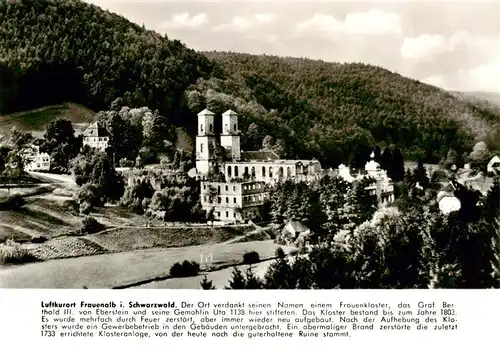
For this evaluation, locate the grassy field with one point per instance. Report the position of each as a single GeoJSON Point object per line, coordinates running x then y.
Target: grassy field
{"type": "Point", "coordinates": [133, 238]}
{"type": "Point", "coordinates": [36, 120]}
{"type": "Point", "coordinates": [121, 269]}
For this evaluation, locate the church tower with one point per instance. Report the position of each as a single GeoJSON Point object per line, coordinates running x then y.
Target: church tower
{"type": "Point", "coordinates": [230, 138]}
{"type": "Point", "coordinates": [205, 141]}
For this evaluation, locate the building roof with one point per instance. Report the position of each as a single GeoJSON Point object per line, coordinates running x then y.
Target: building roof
{"type": "Point", "coordinates": [229, 112]}
{"type": "Point", "coordinates": [96, 129]}
{"type": "Point", "coordinates": [259, 155]}
{"type": "Point", "coordinates": [297, 226]}
{"type": "Point", "coordinates": [206, 112]}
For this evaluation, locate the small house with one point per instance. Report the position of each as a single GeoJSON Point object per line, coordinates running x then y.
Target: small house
{"type": "Point", "coordinates": [493, 166]}
{"type": "Point", "coordinates": [296, 229]}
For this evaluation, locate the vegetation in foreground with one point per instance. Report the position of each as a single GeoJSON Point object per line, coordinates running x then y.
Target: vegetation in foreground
{"type": "Point", "coordinates": [12, 252]}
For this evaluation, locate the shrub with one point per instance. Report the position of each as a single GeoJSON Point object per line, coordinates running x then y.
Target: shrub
{"type": "Point", "coordinates": [90, 226]}
{"type": "Point", "coordinates": [251, 257]}
{"type": "Point", "coordinates": [39, 239]}
{"type": "Point", "coordinates": [12, 202]}
{"type": "Point", "coordinates": [186, 269]}
{"type": "Point", "coordinates": [71, 205]}
{"type": "Point", "coordinates": [13, 253]}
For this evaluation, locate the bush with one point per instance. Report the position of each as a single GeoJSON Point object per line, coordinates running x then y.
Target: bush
{"type": "Point", "coordinates": [12, 202]}
{"type": "Point", "coordinates": [251, 257]}
{"type": "Point", "coordinates": [186, 269]}
{"type": "Point", "coordinates": [13, 253]}
{"type": "Point", "coordinates": [72, 206]}
{"type": "Point", "coordinates": [39, 239]}
{"type": "Point", "coordinates": [90, 226]}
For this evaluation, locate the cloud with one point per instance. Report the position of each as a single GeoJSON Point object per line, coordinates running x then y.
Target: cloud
{"type": "Point", "coordinates": [423, 46]}
{"type": "Point", "coordinates": [266, 18]}
{"type": "Point", "coordinates": [237, 24]}
{"type": "Point", "coordinates": [184, 20]}
{"type": "Point", "coordinates": [437, 80]}
{"type": "Point", "coordinates": [372, 22]}
{"type": "Point", "coordinates": [485, 77]}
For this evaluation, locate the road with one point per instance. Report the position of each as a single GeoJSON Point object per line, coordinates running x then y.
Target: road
{"type": "Point", "coordinates": [118, 269]}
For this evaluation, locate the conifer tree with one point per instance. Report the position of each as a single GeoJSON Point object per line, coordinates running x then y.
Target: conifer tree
{"type": "Point", "coordinates": [237, 281]}
{"type": "Point", "coordinates": [206, 284]}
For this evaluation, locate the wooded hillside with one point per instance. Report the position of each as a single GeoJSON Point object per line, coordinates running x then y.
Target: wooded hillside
{"type": "Point", "coordinates": [69, 51]}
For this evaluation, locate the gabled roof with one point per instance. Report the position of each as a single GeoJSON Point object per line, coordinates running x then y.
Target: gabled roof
{"type": "Point", "coordinates": [229, 112]}
{"type": "Point", "coordinates": [206, 112]}
{"type": "Point", "coordinates": [259, 155]}
{"type": "Point", "coordinates": [297, 226]}
{"type": "Point", "coordinates": [96, 129]}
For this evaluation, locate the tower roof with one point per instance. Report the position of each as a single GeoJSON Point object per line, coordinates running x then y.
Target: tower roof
{"type": "Point", "coordinates": [206, 112]}
{"type": "Point", "coordinates": [229, 112]}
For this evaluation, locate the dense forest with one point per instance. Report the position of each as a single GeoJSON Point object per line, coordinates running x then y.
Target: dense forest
{"type": "Point", "coordinates": [59, 51]}
{"type": "Point", "coordinates": [333, 110]}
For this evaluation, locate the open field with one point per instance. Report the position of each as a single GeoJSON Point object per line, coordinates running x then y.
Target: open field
{"type": "Point", "coordinates": [36, 120]}
{"type": "Point", "coordinates": [121, 269]}
{"type": "Point", "coordinates": [133, 238]}
{"type": "Point", "coordinates": [220, 278]}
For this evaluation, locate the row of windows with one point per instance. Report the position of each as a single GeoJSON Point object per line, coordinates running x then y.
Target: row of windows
{"type": "Point", "coordinates": [245, 187]}
{"type": "Point", "coordinates": [252, 171]}
{"type": "Point", "coordinates": [95, 139]}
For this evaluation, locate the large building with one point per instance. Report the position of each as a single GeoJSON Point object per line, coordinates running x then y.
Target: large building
{"type": "Point", "coordinates": [249, 176]}
{"type": "Point", "coordinates": [96, 136]}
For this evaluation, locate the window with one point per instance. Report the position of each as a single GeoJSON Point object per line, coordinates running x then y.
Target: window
{"type": "Point", "coordinates": [205, 199]}
{"type": "Point", "coordinates": [219, 200]}
{"type": "Point", "coordinates": [204, 186]}
{"type": "Point", "coordinates": [218, 189]}
{"type": "Point", "coordinates": [201, 147]}
{"type": "Point", "coordinates": [227, 214]}
{"type": "Point", "coordinates": [229, 171]}
{"type": "Point", "coordinates": [235, 171]}
{"type": "Point", "coordinates": [211, 128]}
{"type": "Point", "coordinates": [246, 171]}
{"type": "Point", "coordinates": [263, 171]}
{"type": "Point", "coordinates": [253, 171]}
{"type": "Point", "coordinates": [218, 213]}
{"type": "Point", "coordinates": [288, 171]}
{"type": "Point", "coordinates": [227, 188]}
{"type": "Point", "coordinates": [201, 129]}
{"type": "Point", "coordinates": [234, 188]}
{"type": "Point", "coordinates": [227, 200]}
{"type": "Point", "coordinates": [235, 128]}
{"type": "Point", "coordinates": [226, 128]}
{"type": "Point", "coordinates": [234, 200]}
{"type": "Point", "coordinates": [234, 215]}
{"type": "Point", "coordinates": [270, 172]}
{"type": "Point", "coordinates": [281, 172]}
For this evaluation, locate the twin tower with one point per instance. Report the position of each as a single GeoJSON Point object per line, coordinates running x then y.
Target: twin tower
{"type": "Point", "coordinates": [206, 139]}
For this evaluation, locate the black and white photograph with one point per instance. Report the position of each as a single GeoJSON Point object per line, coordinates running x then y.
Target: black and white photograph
{"type": "Point", "coordinates": [249, 145]}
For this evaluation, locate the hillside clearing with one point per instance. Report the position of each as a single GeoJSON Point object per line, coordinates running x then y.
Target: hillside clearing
{"type": "Point", "coordinates": [36, 120]}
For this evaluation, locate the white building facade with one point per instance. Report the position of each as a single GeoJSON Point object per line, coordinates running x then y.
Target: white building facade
{"type": "Point", "coordinates": [250, 176]}
{"type": "Point", "coordinates": [96, 136]}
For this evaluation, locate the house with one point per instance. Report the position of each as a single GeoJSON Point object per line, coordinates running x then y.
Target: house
{"type": "Point", "coordinates": [296, 229]}
{"type": "Point", "coordinates": [38, 162]}
{"type": "Point", "coordinates": [446, 199]}
{"type": "Point", "coordinates": [493, 166]}
{"type": "Point", "coordinates": [96, 136]}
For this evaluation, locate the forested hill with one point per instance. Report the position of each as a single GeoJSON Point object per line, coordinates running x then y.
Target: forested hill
{"type": "Point", "coordinates": [53, 51]}
{"type": "Point", "coordinates": [336, 107]}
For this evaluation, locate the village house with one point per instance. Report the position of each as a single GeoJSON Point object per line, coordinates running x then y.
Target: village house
{"type": "Point", "coordinates": [34, 160]}
{"type": "Point", "coordinates": [96, 136]}
{"type": "Point", "coordinates": [382, 185]}
{"type": "Point", "coordinates": [249, 175]}
{"type": "Point", "coordinates": [493, 167]}
{"type": "Point", "coordinates": [446, 199]}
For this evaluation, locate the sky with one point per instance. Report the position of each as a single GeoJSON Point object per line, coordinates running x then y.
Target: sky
{"type": "Point", "coordinates": [453, 45]}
